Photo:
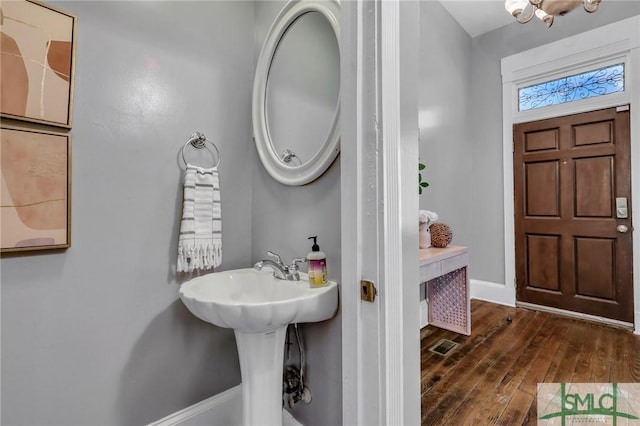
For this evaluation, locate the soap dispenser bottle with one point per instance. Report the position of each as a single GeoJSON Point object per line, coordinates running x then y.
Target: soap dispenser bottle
{"type": "Point", "coordinates": [317, 265]}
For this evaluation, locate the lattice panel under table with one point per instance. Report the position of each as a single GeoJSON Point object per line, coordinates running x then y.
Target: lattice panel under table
{"type": "Point", "coordinates": [449, 302]}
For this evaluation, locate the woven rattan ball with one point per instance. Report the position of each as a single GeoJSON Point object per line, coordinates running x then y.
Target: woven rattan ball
{"type": "Point", "coordinates": [440, 235]}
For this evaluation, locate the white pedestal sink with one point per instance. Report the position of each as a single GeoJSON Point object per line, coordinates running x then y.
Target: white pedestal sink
{"type": "Point", "coordinates": [258, 307]}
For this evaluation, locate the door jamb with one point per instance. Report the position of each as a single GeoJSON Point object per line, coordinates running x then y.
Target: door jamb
{"type": "Point", "coordinates": [379, 204]}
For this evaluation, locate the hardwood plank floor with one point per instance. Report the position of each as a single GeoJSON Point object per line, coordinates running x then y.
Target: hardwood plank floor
{"type": "Point", "coordinates": [492, 376]}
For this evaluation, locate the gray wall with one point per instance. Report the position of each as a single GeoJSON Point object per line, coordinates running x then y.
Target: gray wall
{"type": "Point", "coordinates": [445, 84]}
{"type": "Point", "coordinates": [485, 124]}
{"type": "Point", "coordinates": [283, 218]}
{"type": "Point", "coordinates": [95, 335]}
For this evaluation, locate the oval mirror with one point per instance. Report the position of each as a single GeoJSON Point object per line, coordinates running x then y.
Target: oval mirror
{"type": "Point", "coordinates": [296, 92]}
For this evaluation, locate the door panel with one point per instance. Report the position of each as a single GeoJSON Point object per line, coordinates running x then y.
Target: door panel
{"type": "Point", "coordinates": [543, 267]}
{"type": "Point", "coordinates": [567, 173]}
{"type": "Point", "coordinates": [595, 267]}
{"type": "Point", "coordinates": [541, 140]}
{"type": "Point", "coordinates": [542, 175]}
{"type": "Point", "coordinates": [593, 133]}
{"type": "Point", "coordinates": [593, 181]}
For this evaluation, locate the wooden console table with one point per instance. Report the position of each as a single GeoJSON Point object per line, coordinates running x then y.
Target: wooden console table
{"type": "Point", "coordinates": [445, 272]}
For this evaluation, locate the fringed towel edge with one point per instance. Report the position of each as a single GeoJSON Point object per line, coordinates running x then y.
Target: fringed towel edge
{"type": "Point", "coordinates": [195, 257]}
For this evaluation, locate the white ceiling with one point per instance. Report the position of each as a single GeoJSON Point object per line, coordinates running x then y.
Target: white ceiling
{"type": "Point", "coordinates": [478, 16]}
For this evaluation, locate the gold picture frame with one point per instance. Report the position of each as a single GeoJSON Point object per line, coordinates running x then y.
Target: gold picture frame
{"type": "Point", "coordinates": [37, 62]}
{"type": "Point", "coordinates": [35, 193]}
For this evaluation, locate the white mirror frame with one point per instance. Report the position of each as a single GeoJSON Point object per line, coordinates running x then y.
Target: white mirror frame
{"type": "Point", "coordinates": [326, 154]}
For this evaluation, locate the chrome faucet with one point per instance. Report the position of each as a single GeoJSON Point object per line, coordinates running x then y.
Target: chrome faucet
{"type": "Point", "coordinates": [280, 270]}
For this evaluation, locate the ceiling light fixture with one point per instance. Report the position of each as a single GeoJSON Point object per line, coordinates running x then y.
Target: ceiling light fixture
{"type": "Point", "coordinates": [524, 10]}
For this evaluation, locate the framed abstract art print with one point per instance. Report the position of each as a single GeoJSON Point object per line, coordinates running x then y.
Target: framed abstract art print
{"type": "Point", "coordinates": [35, 196]}
{"type": "Point", "coordinates": [37, 62]}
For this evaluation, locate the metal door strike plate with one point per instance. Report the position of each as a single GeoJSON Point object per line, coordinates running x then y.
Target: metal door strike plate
{"type": "Point", "coordinates": [368, 291]}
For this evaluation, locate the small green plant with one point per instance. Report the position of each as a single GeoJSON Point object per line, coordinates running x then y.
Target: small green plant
{"type": "Point", "coordinates": [421, 183]}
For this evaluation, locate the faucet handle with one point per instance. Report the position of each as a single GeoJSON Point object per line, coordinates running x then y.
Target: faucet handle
{"type": "Point", "coordinates": [294, 263]}
{"type": "Point", "coordinates": [275, 256]}
{"type": "Point", "coordinates": [293, 269]}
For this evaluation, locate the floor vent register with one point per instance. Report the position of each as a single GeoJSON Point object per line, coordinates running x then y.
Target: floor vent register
{"type": "Point", "coordinates": [444, 347]}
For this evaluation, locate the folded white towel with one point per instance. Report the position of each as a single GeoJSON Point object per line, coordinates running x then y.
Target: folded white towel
{"type": "Point", "coordinates": [427, 216]}
{"type": "Point", "coordinates": [200, 240]}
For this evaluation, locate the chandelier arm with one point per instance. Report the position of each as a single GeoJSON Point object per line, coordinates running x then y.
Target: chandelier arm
{"type": "Point", "coordinates": [544, 17]}
{"type": "Point", "coordinates": [526, 15]}
{"type": "Point", "coordinates": [591, 5]}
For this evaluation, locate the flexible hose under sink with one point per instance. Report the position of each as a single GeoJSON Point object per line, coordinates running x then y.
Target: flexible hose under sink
{"type": "Point", "coordinates": [302, 359]}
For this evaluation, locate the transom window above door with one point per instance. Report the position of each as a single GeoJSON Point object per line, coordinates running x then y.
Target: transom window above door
{"type": "Point", "coordinates": [593, 83]}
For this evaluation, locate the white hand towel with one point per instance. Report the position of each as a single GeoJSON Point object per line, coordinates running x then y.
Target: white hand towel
{"type": "Point", "coordinates": [200, 240]}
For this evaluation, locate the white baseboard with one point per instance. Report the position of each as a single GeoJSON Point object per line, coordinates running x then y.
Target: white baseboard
{"type": "Point", "coordinates": [493, 292]}
{"type": "Point", "coordinates": [223, 409]}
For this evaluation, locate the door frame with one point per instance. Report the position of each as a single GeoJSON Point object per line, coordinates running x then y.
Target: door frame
{"type": "Point", "coordinates": [614, 43]}
{"type": "Point", "coordinates": [379, 212]}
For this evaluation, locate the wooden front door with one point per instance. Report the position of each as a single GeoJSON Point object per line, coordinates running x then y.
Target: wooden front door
{"type": "Point", "coordinates": [572, 250]}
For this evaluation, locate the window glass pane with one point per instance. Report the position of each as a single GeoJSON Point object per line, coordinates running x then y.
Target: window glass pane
{"type": "Point", "coordinates": [598, 82]}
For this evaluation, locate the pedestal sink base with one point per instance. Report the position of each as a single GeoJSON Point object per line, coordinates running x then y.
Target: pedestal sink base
{"type": "Point", "coordinates": [261, 357]}
{"type": "Point", "coordinates": [259, 307]}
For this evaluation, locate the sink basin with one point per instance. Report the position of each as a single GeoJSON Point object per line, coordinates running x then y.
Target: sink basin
{"type": "Point", "coordinates": [255, 301]}
{"type": "Point", "coordinates": [259, 307]}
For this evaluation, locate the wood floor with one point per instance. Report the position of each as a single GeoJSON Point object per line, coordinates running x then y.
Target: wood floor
{"type": "Point", "coordinates": [491, 377]}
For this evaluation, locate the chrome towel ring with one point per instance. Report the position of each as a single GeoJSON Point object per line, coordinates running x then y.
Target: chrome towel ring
{"type": "Point", "coordinates": [198, 140]}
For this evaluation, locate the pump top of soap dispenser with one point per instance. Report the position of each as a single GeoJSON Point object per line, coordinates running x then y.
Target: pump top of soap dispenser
{"type": "Point", "coordinates": [315, 246]}
{"type": "Point", "coordinates": [315, 253]}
